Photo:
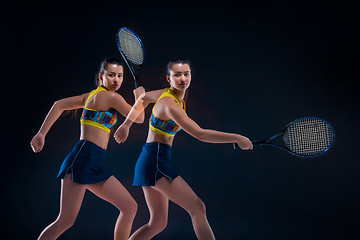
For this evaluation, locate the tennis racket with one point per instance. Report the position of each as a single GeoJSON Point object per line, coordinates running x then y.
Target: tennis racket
{"type": "Point", "coordinates": [132, 51]}
{"type": "Point", "coordinates": [304, 137]}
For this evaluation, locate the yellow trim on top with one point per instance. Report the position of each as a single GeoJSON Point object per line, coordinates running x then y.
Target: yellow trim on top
{"type": "Point", "coordinates": [160, 132]}
{"type": "Point", "coordinates": [92, 93]}
{"type": "Point", "coordinates": [91, 109]}
{"type": "Point", "coordinates": [94, 124]}
{"type": "Point", "coordinates": [168, 93]}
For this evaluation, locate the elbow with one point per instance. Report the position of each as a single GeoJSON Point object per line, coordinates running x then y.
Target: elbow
{"type": "Point", "coordinates": [139, 115]}
{"type": "Point", "coordinates": [58, 105]}
{"type": "Point", "coordinates": [139, 119]}
{"type": "Point", "coordinates": [201, 139]}
{"type": "Point", "coordinates": [200, 135]}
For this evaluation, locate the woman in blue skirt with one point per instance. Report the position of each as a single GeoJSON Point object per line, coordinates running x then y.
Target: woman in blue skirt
{"type": "Point", "coordinates": [82, 168]}
{"type": "Point", "coordinates": [159, 181]}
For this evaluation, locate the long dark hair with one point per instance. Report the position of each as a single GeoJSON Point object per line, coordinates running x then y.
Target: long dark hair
{"type": "Point", "coordinates": [103, 65]}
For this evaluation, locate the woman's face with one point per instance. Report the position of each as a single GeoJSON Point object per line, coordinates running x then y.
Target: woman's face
{"type": "Point", "coordinates": [180, 76]}
{"type": "Point", "coordinates": [112, 77]}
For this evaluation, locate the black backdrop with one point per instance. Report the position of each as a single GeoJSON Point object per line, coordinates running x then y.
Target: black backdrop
{"type": "Point", "coordinates": [256, 67]}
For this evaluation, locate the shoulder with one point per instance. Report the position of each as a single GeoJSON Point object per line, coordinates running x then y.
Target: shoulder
{"type": "Point", "coordinates": [168, 102]}
{"type": "Point", "coordinates": [114, 100]}
{"type": "Point", "coordinates": [107, 99]}
{"type": "Point", "coordinates": [110, 95]}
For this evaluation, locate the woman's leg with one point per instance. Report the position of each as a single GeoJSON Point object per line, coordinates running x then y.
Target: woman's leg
{"type": "Point", "coordinates": [158, 206]}
{"type": "Point", "coordinates": [180, 192]}
{"type": "Point", "coordinates": [71, 198]}
{"type": "Point", "coordinates": [115, 193]}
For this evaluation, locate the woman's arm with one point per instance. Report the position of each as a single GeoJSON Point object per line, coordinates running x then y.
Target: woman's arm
{"type": "Point", "coordinates": [175, 112]}
{"type": "Point", "coordinates": [122, 132]}
{"type": "Point", "coordinates": [140, 105]}
{"type": "Point", "coordinates": [152, 96]}
{"type": "Point", "coordinates": [142, 102]}
{"type": "Point", "coordinates": [117, 102]}
{"type": "Point", "coordinates": [37, 143]}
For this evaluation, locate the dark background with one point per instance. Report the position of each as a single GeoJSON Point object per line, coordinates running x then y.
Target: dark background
{"type": "Point", "coordinates": [256, 67]}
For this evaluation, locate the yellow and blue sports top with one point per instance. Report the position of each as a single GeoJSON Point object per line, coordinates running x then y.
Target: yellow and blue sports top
{"type": "Point", "coordinates": [165, 127]}
{"type": "Point", "coordinates": [104, 120]}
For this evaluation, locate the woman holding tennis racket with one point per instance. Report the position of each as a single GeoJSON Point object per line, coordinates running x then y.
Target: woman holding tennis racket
{"type": "Point", "coordinates": [82, 168]}
{"type": "Point", "coordinates": [160, 182]}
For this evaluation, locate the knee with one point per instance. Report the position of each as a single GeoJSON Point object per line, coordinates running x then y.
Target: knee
{"type": "Point", "coordinates": [68, 224]}
{"type": "Point", "coordinates": [130, 208]}
{"type": "Point", "coordinates": [197, 207]}
{"type": "Point", "coordinates": [65, 222]}
{"type": "Point", "coordinates": [157, 225]}
{"type": "Point", "coordinates": [133, 206]}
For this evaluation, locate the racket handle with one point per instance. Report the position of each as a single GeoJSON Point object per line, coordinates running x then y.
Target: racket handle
{"type": "Point", "coordinates": [136, 84]}
{"type": "Point", "coordinates": [258, 142]}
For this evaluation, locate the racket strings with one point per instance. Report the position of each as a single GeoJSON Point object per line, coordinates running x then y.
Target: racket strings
{"type": "Point", "coordinates": [309, 136]}
{"type": "Point", "coordinates": [131, 47]}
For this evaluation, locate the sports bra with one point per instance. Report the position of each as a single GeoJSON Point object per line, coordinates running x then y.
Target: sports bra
{"type": "Point", "coordinates": [165, 127]}
{"type": "Point", "coordinates": [104, 120]}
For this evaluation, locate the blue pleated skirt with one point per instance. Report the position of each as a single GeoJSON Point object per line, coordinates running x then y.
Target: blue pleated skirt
{"type": "Point", "coordinates": [153, 164]}
{"type": "Point", "coordinates": [85, 163]}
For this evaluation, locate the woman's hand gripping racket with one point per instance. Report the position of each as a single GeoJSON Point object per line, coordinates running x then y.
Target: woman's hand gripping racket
{"type": "Point", "coordinates": [304, 137]}
{"type": "Point", "coordinates": [132, 51]}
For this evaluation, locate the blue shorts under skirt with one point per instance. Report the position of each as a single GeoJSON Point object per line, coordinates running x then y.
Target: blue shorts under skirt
{"type": "Point", "coordinates": [85, 162]}
{"type": "Point", "coordinates": [153, 164]}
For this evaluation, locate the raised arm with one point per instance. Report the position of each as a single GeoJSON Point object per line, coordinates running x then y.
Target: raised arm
{"type": "Point", "coordinates": [142, 102]}
{"type": "Point", "coordinates": [37, 143]}
{"type": "Point", "coordinates": [152, 96]}
{"type": "Point", "coordinates": [175, 112]}
{"type": "Point", "coordinates": [140, 105]}
{"type": "Point", "coordinates": [117, 102]}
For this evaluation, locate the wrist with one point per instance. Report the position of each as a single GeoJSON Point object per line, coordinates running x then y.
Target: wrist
{"type": "Point", "coordinates": [41, 133]}
{"type": "Point", "coordinates": [127, 123]}
{"type": "Point", "coordinates": [240, 138]}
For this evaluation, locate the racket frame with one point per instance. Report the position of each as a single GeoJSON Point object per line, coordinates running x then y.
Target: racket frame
{"type": "Point", "coordinates": [134, 69]}
{"type": "Point", "coordinates": [282, 132]}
